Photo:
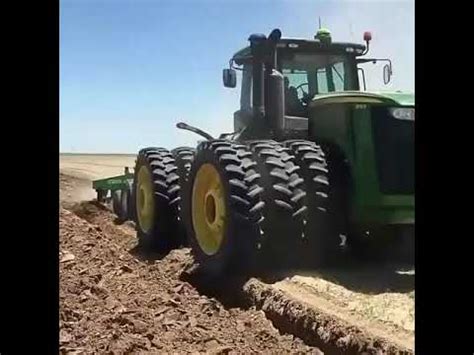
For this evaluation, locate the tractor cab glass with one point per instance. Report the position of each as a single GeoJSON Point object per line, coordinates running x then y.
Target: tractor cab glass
{"type": "Point", "coordinates": [307, 75]}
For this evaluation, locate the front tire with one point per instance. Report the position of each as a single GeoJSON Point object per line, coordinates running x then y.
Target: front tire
{"type": "Point", "coordinates": [284, 208]}
{"type": "Point", "coordinates": [322, 240]}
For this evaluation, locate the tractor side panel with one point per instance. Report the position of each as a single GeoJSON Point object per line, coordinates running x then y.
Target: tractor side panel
{"type": "Point", "coordinates": [389, 145]}
{"type": "Point", "coordinates": [350, 127]}
{"type": "Point", "coordinates": [332, 124]}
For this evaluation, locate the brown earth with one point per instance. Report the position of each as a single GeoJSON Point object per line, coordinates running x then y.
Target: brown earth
{"type": "Point", "coordinates": [114, 299]}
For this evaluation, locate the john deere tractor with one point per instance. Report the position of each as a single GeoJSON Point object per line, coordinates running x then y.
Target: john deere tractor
{"type": "Point", "coordinates": [315, 163]}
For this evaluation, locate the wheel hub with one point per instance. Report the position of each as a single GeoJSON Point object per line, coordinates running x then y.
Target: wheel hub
{"type": "Point", "coordinates": [145, 200]}
{"type": "Point", "coordinates": [208, 209]}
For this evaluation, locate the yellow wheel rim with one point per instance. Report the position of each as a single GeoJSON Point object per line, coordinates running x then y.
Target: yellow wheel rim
{"type": "Point", "coordinates": [145, 200]}
{"type": "Point", "coordinates": [208, 209]}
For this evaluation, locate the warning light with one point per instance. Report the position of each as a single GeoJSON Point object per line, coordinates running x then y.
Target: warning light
{"type": "Point", "coordinates": [367, 36]}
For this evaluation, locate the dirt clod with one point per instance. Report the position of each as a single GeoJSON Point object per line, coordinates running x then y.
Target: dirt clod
{"type": "Point", "coordinates": [67, 257]}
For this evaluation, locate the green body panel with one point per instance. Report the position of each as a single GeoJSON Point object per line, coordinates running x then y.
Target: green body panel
{"type": "Point", "coordinates": [389, 98]}
{"type": "Point", "coordinates": [344, 119]}
{"type": "Point", "coordinates": [113, 183]}
{"type": "Point", "coordinates": [401, 98]}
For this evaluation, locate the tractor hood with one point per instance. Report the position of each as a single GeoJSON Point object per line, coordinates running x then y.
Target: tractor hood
{"type": "Point", "coordinates": [397, 98]}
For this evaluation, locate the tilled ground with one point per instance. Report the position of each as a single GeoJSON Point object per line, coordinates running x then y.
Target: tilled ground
{"type": "Point", "coordinates": [115, 300]}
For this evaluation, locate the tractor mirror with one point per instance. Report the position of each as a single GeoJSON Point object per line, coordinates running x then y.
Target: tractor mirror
{"type": "Point", "coordinates": [387, 73]}
{"type": "Point", "coordinates": [229, 77]}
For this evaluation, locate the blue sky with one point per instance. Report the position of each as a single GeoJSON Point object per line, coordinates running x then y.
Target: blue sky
{"type": "Point", "coordinates": [131, 69]}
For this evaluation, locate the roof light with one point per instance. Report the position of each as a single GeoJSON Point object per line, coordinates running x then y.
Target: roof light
{"type": "Point", "coordinates": [367, 39]}
{"type": "Point", "coordinates": [323, 35]}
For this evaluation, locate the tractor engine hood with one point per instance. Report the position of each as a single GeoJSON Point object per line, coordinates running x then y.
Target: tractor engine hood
{"type": "Point", "coordinates": [390, 98]}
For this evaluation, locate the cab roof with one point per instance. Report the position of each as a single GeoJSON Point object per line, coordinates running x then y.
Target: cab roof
{"type": "Point", "coordinates": [305, 45]}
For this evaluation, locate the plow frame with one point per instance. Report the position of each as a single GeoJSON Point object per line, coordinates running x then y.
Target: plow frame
{"type": "Point", "coordinates": [110, 184]}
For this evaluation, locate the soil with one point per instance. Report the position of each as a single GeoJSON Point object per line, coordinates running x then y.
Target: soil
{"type": "Point", "coordinates": [114, 298]}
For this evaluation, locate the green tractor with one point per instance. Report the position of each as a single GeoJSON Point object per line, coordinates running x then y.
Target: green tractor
{"type": "Point", "coordinates": [315, 164]}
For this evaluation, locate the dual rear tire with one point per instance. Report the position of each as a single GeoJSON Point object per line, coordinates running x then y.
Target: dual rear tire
{"type": "Point", "coordinates": [156, 192]}
{"type": "Point", "coordinates": [223, 208]}
{"type": "Point", "coordinates": [243, 207]}
{"type": "Point", "coordinates": [273, 205]}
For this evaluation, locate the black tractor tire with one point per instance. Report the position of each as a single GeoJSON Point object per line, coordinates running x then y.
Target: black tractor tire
{"type": "Point", "coordinates": [124, 205]}
{"type": "Point", "coordinates": [131, 203]}
{"type": "Point", "coordinates": [116, 206]}
{"type": "Point", "coordinates": [184, 157]}
{"type": "Point", "coordinates": [100, 196]}
{"type": "Point", "coordinates": [322, 240]}
{"type": "Point", "coordinates": [159, 170]}
{"type": "Point", "coordinates": [238, 251]}
{"type": "Point", "coordinates": [282, 225]}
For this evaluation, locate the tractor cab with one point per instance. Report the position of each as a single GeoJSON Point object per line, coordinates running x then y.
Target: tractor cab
{"type": "Point", "coordinates": [308, 67]}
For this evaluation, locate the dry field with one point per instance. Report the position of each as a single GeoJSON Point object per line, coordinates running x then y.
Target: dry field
{"type": "Point", "coordinates": [115, 299]}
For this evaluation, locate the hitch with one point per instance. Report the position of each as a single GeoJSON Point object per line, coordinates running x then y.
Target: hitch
{"type": "Point", "coordinates": [182, 125]}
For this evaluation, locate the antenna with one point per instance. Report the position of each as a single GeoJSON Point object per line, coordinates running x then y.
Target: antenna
{"type": "Point", "coordinates": [319, 22]}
